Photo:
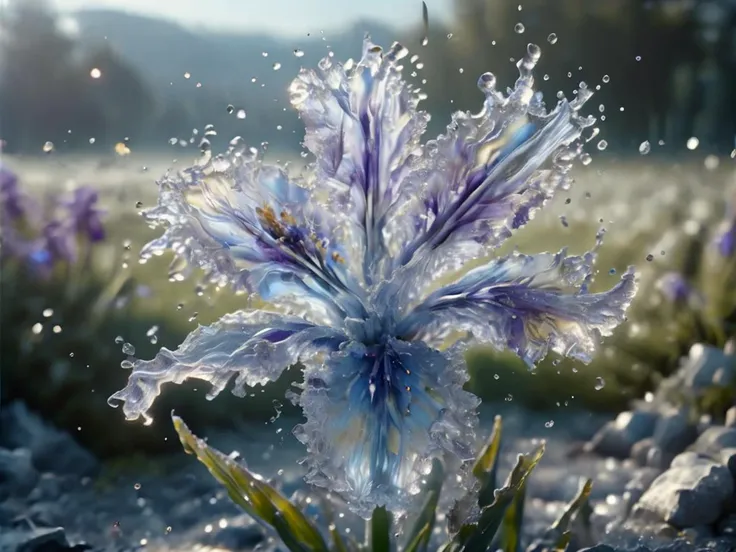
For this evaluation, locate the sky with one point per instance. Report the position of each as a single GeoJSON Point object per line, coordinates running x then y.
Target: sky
{"type": "Point", "coordinates": [282, 17]}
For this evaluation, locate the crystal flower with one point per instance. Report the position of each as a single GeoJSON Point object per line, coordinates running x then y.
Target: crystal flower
{"type": "Point", "coordinates": [359, 257]}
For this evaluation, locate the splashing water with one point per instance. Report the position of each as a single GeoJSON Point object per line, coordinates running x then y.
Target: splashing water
{"type": "Point", "coordinates": [349, 254]}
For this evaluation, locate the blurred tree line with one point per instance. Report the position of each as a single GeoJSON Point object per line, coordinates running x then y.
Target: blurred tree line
{"type": "Point", "coordinates": [666, 70]}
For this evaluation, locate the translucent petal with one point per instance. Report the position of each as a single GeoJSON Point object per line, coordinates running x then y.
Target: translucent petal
{"type": "Point", "coordinates": [254, 346]}
{"type": "Point", "coordinates": [527, 304]}
{"type": "Point", "coordinates": [363, 126]}
{"type": "Point", "coordinates": [249, 225]}
{"type": "Point", "coordinates": [377, 415]}
{"type": "Point", "coordinates": [488, 174]}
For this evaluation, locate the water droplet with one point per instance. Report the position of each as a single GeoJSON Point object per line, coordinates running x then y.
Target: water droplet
{"type": "Point", "coordinates": [276, 66]}
{"type": "Point", "coordinates": [606, 79]}
{"type": "Point", "coordinates": [48, 147]}
{"type": "Point", "coordinates": [95, 73]}
{"type": "Point", "coordinates": [693, 143]}
{"type": "Point", "coordinates": [496, 376]}
{"type": "Point", "coordinates": [602, 145]}
{"type": "Point", "coordinates": [298, 53]}
{"type": "Point", "coordinates": [92, 140]}
{"type": "Point", "coordinates": [128, 349]}
{"type": "Point", "coordinates": [168, 529]}
{"type": "Point", "coordinates": [71, 355]}
{"type": "Point", "coordinates": [48, 313]}
{"type": "Point", "coordinates": [241, 114]}
{"type": "Point", "coordinates": [126, 365]}
{"type": "Point", "coordinates": [264, 54]}
{"type": "Point", "coordinates": [552, 38]}
{"type": "Point", "coordinates": [650, 257]}
{"type": "Point", "coordinates": [600, 383]}
{"type": "Point", "coordinates": [519, 28]}
{"type": "Point", "coordinates": [638, 58]}
{"type": "Point", "coordinates": [549, 424]}
{"type": "Point", "coordinates": [119, 339]}
{"type": "Point", "coordinates": [449, 36]}
{"type": "Point", "coordinates": [230, 109]}
{"type": "Point", "coordinates": [586, 159]}
{"type": "Point", "coordinates": [137, 486]}
{"type": "Point", "coordinates": [645, 147]}
{"type": "Point", "coordinates": [546, 77]}
{"type": "Point", "coordinates": [461, 70]}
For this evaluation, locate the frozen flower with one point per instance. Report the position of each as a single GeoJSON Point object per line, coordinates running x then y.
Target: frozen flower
{"type": "Point", "coordinates": [85, 216]}
{"type": "Point", "coordinates": [350, 255]}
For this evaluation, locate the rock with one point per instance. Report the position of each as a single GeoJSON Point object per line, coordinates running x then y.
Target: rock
{"type": "Point", "coordinates": [616, 438]}
{"type": "Point", "coordinates": [727, 526]}
{"type": "Point", "coordinates": [637, 485]}
{"type": "Point", "coordinates": [47, 488]}
{"type": "Point", "coordinates": [731, 417]}
{"type": "Point", "coordinates": [17, 474]}
{"type": "Point", "coordinates": [235, 538]}
{"type": "Point", "coordinates": [713, 440]}
{"type": "Point", "coordinates": [703, 364]}
{"type": "Point", "coordinates": [673, 432]}
{"type": "Point", "coordinates": [728, 459]}
{"type": "Point", "coordinates": [37, 540]}
{"type": "Point", "coordinates": [51, 450]}
{"type": "Point", "coordinates": [689, 494]}
{"type": "Point", "coordinates": [640, 451]}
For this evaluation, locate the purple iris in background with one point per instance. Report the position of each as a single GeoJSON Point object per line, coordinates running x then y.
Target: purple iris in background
{"type": "Point", "coordinates": [40, 243]}
{"type": "Point", "coordinates": [726, 239]}
{"type": "Point", "coordinates": [85, 216]}
{"type": "Point", "coordinates": [675, 288]}
{"type": "Point", "coordinates": [359, 258]}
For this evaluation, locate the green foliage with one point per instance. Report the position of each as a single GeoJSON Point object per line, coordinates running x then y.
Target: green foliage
{"type": "Point", "coordinates": [496, 518]}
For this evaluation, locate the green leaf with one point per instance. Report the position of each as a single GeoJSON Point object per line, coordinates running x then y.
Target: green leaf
{"type": "Point", "coordinates": [512, 522]}
{"type": "Point", "coordinates": [486, 465]}
{"type": "Point", "coordinates": [478, 537]}
{"type": "Point", "coordinates": [380, 533]}
{"type": "Point", "coordinates": [259, 499]}
{"type": "Point", "coordinates": [420, 540]}
{"type": "Point", "coordinates": [560, 532]}
{"type": "Point", "coordinates": [428, 514]}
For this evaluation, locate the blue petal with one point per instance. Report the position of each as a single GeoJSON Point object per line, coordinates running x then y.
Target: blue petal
{"type": "Point", "coordinates": [256, 347]}
{"type": "Point", "coordinates": [527, 304]}
{"type": "Point", "coordinates": [377, 415]}
{"type": "Point", "coordinates": [363, 126]}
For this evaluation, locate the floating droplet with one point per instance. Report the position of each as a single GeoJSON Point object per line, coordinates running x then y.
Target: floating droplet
{"type": "Point", "coordinates": [586, 159]}
{"type": "Point", "coordinates": [231, 109]}
{"type": "Point", "coordinates": [48, 313]}
{"type": "Point", "coordinates": [693, 143]}
{"type": "Point", "coordinates": [606, 79]}
{"type": "Point", "coordinates": [600, 383]}
{"type": "Point", "coordinates": [552, 38]}
{"type": "Point", "coordinates": [650, 257]}
{"type": "Point", "coordinates": [276, 66]}
{"type": "Point", "coordinates": [519, 28]}
{"type": "Point", "coordinates": [602, 145]}
{"type": "Point", "coordinates": [48, 147]}
{"type": "Point", "coordinates": [549, 424]}
{"type": "Point", "coordinates": [645, 147]}
{"type": "Point", "coordinates": [95, 73]}
{"type": "Point", "coordinates": [241, 114]}
{"type": "Point", "coordinates": [298, 53]}
{"type": "Point", "coordinates": [128, 349]}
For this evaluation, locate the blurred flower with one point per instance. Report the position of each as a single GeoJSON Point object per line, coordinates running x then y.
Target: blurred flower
{"type": "Point", "coordinates": [85, 217]}
{"type": "Point", "coordinates": [675, 287]}
{"type": "Point", "coordinates": [354, 250]}
{"type": "Point", "coordinates": [14, 204]}
{"type": "Point", "coordinates": [725, 241]}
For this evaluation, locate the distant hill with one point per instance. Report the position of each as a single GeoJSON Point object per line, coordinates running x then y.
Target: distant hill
{"type": "Point", "coordinates": [163, 51]}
